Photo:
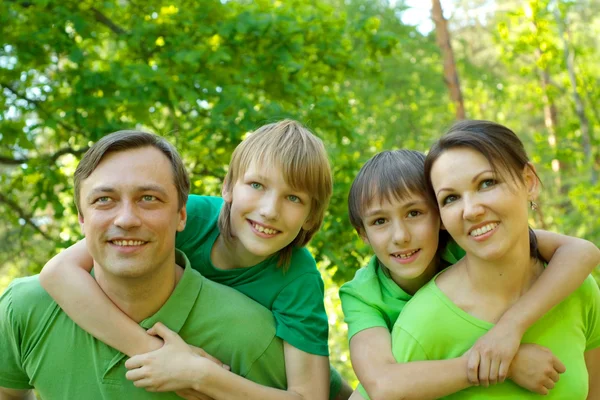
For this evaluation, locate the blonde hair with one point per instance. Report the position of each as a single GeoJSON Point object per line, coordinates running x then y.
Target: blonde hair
{"type": "Point", "coordinates": [301, 156]}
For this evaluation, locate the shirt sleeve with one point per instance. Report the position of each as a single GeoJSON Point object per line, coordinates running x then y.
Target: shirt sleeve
{"type": "Point", "coordinates": [593, 316]}
{"type": "Point", "coordinates": [358, 314]}
{"type": "Point", "coordinates": [405, 347]}
{"type": "Point", "coordinates": [300, 314]}
{"type": "Point", "coordinates": [12, 373]}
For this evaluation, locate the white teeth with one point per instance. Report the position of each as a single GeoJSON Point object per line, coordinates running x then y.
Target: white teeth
{"type": "Point", "coordinates": [483, 229]}
{"type": "Point", "coordinates": [128, 242]}
{"type": "Point", "coordinates": [262, 229]}
{"type": "Point", "coordinates": [406, 255]}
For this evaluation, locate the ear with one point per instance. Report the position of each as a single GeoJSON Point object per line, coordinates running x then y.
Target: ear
{"type": "Point", "coordinates": [80, 219]}
{"type": "Point", "coordinates": [182, 218]}
{"type": "Point", "coordinates": [531, 181]}
{"type": "Point", "coordinates": [226, 192]}
{"type": "Point", "coordinates": [363, 236]}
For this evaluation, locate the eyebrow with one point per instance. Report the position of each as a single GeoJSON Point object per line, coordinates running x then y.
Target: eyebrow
{"type": "Point", "coordinates": [472, 180]}
{"type": "Point", "coordinates": [376, 211]}
{"type": "Point", "coordinates": [110, 189]}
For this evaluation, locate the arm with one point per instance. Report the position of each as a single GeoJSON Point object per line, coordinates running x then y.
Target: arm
{"type": "Point", "coordinates": [14, 394]}
{"type": "Point", "coordinates": [592, 362]}
{"type": "Point", "coordinates": [571, 260]}
{"type": "Point", "coordinates": [66, 277]}
{"type": "Point", "coordinates": [384, 378]}
{"type": "Point", "coordinates": [175, 367]}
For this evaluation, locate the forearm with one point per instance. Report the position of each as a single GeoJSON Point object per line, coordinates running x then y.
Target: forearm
{"type": "Point", "coordinates": [221, 384]}
{"type": "Point", "coordinates": [80, 297]}
{"type": "Point", "coordinates": [418, 380]}
{"type": "Point", "coordinates": [566, 271]}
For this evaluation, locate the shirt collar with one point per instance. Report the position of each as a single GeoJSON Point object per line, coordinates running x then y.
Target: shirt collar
{"type": "Point", "coordinates": [179, 305]}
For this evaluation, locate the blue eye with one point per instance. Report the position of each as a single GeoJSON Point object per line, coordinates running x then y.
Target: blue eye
{"type": "Point", "coordinates": [449, 199]}
{"type": "Point", "coordinates": [294, 199]}
{"type": "Point", "coordinates": [256, 185]}
{"type": "Point", "coordinates": [487, 183]}
{"type": "Point", "coordinates": [102, 199]}
{"type": "Point", "coordinates": [149, 197]}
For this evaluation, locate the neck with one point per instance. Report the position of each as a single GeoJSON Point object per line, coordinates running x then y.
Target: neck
{"type": "Point", "coordinates": [411, 286]}
{"type": "Point", "coordinates": [139, 297]}
{"type": "Point", "coordinates": [229, 254]}
{"type": "Point", "coordinates": [507, 277]}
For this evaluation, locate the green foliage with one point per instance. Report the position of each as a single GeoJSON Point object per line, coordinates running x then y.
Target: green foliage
{"type": "Point", "coordinates": [203, 74]}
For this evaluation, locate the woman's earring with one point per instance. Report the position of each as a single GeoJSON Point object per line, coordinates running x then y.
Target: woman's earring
{"type": "Point", "coordinates": [533, 205]}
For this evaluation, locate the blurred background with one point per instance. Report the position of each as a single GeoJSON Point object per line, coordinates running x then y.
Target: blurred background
{"type": "Point", "coordinates": [364, 75]}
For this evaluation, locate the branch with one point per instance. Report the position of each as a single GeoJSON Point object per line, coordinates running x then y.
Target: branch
{"type": "Point", "coordinates": [22, 214]}
{"type": "Point", "coordinates": [52, 157]}
{"type": "Point", "coordinates": [104, 20]}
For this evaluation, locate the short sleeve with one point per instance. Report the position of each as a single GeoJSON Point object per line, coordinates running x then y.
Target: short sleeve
{"type": "Point", "coordinates": [12, 374]}
{"type": "Point", "coordinates": [300, 314]}
{"type": "Point", "coordinates": [405, 347]}
{"type": "Point", "coordinates": [358, 314]}
{"type": "Point", "coordinates": [593, 316]}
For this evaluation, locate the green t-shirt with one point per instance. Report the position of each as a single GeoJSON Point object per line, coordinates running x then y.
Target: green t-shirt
{"type": "Point", "coordinates": [41, 347]}
{"type": "Point", "coordinates": [372, 299]}
{"type": "Point", "coordinates": [432, 327]}
{"type": "Point", "coordinates": [295, 297]}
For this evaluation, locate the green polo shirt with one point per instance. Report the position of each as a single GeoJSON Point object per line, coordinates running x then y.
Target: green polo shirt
{"type": "Point", "coordinates": [42, 348]}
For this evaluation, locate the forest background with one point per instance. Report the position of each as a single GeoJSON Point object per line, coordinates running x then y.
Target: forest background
{"type": "Point", "coordinates": [360, 73]}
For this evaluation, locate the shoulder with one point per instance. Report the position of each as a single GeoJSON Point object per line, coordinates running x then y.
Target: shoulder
{"type": "Point", "coordinates": [365, 279]}
{"type": "Point", "coordinates": [203, 206]}
{"type": "Point", "coordinates": [302, 269]}
{"type": "Point", "coordinates": [25, 300]}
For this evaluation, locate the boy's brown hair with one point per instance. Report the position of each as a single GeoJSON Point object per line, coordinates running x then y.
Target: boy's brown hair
{"type": "Point", "coordinates": [291, 148]}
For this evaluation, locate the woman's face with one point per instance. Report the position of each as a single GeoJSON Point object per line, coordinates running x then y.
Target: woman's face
{"type": "Point", "coordinates": [485, 212]}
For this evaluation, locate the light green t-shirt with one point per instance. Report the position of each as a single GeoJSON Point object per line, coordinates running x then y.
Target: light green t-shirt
{"type": "Point", "coordinates": [41, 347]}
{"type": "Point", "coordinates": [432, 327]}
{"type": "Point", "coordinates": [372, 299]}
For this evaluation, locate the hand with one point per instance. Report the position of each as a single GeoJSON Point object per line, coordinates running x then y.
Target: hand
{"type": "Point", "coordinates": [175, 366]}
{"type": "Point", "coordinates": [535, 368]}
{"type": "Point", "coordinates": [191, 394]}
{"type": "Point", "coordinates": [491, 356]}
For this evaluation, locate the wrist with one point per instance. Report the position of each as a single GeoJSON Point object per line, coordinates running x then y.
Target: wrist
{"type": "Point", "coordinates": [200, 370]}
{"type": "Point", "coordinates": [514, 323]}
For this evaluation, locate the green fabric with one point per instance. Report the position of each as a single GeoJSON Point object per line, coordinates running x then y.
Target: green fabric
{"type": "Point", "coordinates": [371, 299]}
{"type": "Point", "coordinates": [432, 327]}
{"type": "Point", "coordinates": [295, 296]}
{"type": "Point", "coordinates": [43, 348]}
{"type": "Point", "coordinates": [452, 253]}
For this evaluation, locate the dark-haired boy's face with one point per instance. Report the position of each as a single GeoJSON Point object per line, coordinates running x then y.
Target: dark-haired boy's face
{"type": "Point", "coordinates": [404, 235]}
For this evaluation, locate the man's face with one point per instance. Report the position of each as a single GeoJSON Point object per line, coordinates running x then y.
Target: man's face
{"type": "Point", "coordinates": [129, 213]}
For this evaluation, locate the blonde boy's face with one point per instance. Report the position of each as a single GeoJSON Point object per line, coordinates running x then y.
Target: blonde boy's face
{"type": "Point", "coordinates": [266, 213]}
{"type": "Point", "coordinates": [404, 235]}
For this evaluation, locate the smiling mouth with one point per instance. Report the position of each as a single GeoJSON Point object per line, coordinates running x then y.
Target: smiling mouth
{"type": "Point", "coordinates": [484, 229]}
{"type": "Point", "coordinates": [263, 229]}
{"type": "Point", "coordinates": [406, 255]}
{"type": "Point", "coordinates": [124, 243]}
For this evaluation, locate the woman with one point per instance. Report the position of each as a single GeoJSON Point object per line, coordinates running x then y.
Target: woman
{"type": "Point", "coordinates": [484, 184]}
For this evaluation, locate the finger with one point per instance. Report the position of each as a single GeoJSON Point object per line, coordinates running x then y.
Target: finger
{"type": "Point", "coordinates": [559, 366]}
{"type": "Point", "coordinates": [543, 390]}
{"type": "Point", "coordinates": [503, 371]}
{"type": "Point", "coordinates": [473, 367]}
{"type": "Point", "coordinates": [143, 383]}
{"type": "Point", "coordinates": [554, 375]}
{"type": "Point", "coordinates": [549, 384]}
{"type": "Point", "coordinates": [484, 371]}
{"type": "Point", "coordinates": [159, 329]}
{"type": "Point", "coordinates": [201, 352]}
{"type": "Point", "coordinates": [135, 362]}
{"type": "Point", "coordinates": [494, 368]}
{"type": "Point", "coordinates": [135, 374]}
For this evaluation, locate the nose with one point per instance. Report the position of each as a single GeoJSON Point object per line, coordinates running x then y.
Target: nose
{"type": "Point", "coordinates": [401, 233]}
{"type": "Point", "coordinates": [269, 206]}
{"type": "Point", "coordinates": [127, 216]}
{"type": "Point", "coordinates": [472, 207]}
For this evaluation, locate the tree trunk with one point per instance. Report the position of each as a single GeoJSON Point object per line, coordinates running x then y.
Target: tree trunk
{"type": "Point", "coordinates": [584, 125]}
{"type": "Point", "coordinates": [450, 73]}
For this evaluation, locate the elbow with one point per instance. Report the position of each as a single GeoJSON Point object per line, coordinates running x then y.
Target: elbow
{"type": "Point", "coordinates": [48, 275]}
{"type": "Point", "coordinates": [380, 390]}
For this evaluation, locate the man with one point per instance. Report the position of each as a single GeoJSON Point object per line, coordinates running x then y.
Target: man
{"type": "Point", "coordinates": [131, 189]}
